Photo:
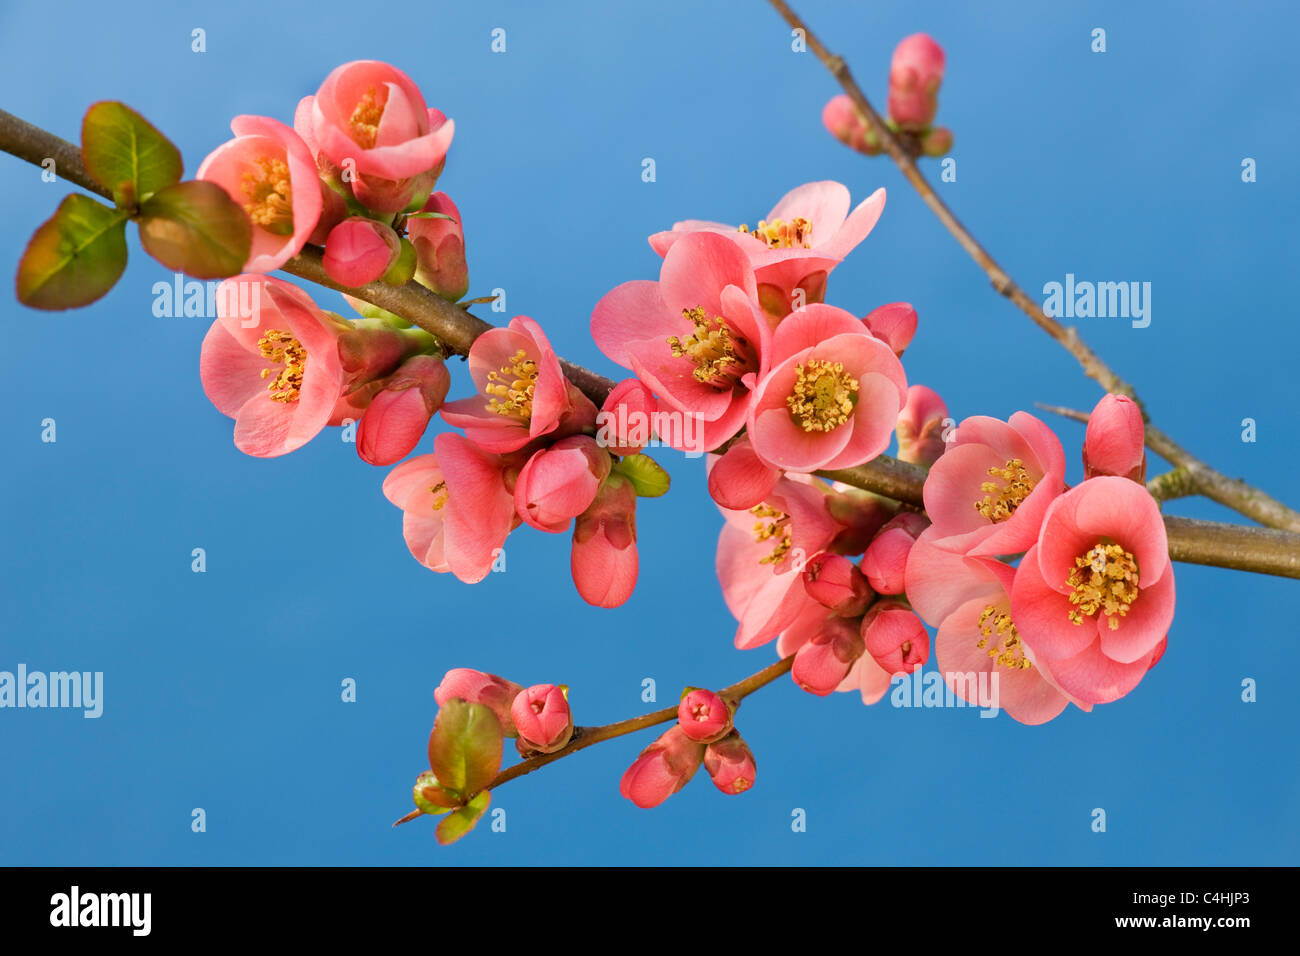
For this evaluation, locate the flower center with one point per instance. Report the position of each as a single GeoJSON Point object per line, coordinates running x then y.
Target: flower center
{"type": "Point", "coordinates": [779, 234]}
{"type": "Point", "coordinates": [700, 712]}
{"type": "Point", "coordinates": [740, 784]}
{"type": "Point", "coordinates": [712, 348]}
{"type": "Point", "coordinates": [281, 348]}
{"type": "Point", "coordinates": [823, 396]}
{"type": "Point", "coordinates": [1104, 579]}
{"type": "Point", "coordinates": [996, 624]}
{"type": "Point", "coordinates": [1003, 497]}
{"type": "Point", "coordinates": [364, 121]}
{"type": "Point", "coordinates": [270, 198]}
{"type": "Point", "coordinates": [537, 706]}
{"type": "Point", "coordinates": [512, 387]}
{"type": "Point", "coordinates": [439, 492]}
{"type": "Point", "coordinates": [777, 529]}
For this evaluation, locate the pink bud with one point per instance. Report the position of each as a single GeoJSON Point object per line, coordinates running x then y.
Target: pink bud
{"type": "Point", "coordinates": [843, 121]}
{"type": "Point", "coordinates": [663, 768]}
{"type": "Point", "coordinates": [739, 479]}
{"type": "Point", "coordinates": [921, 426]}
{"type": "Point", "coordinates": [624, 424]}
{"type": "Point", "coordinates": [822, 663]}
{"type": "Point", "coordinates": [440, 249]}
{"type": "Point", "coordinates": [704, 716]}
{"type": "Point", "coordinates": [604, 558]}
{"type": "Point", "coordinates": [730, 763]}
{"type": "Point", "coordinates": [359, 250]}
{"type": "Point", "coordinates": [559, 483]}
{"type": "Point", "coordinates": [895, 637]}
{"type": "Point", "coordinates": [542, 717]}
{"type": "Point", "coordinates": [833, 582]}
{"type": "Point", "coordinates": [479, 688]}
{"type": "Point", "coordinates": [894, 324]}
{"type": "Point", "coordinates": [1113, 444]}
{"type": "Point", "coordinates": [397, 416]}
{"type": "Point", "coordinates": [937, 142]}
{"type": "Point", "coordinates": [886, 558]}
{"type": "Point", "coordinates": [914, 77]}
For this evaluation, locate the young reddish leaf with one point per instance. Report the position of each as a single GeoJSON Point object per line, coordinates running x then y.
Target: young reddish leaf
{"type": "Point", "coordinates": [465, 746]}
{"type": "Point", "coordinates": [119, 146]}
{"type": "Point", "coordinates": [431, 797]}
{"type": "Point", "coordinates": [196, 228]}
{"type": "Point", "coordinates": [76, 256]}
{"type": "Point", "coordinates": [459, 822]}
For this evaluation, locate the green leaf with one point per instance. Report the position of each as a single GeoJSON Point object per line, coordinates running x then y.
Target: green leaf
{"type": "Point", "coordinates": [196, 228]}
{"type": "Point", "coordinates": [647, 476]}
{"type": "Point", "coordinates": [465, 746]}
{"type": "Point", "coordinates": [431, 797]}
{"type": "Point", "coordinates": [459, 822]}
{"type": "Point", "coordinates": [126, 154]}
{"type": "Point", "coordinates": [76, 256]}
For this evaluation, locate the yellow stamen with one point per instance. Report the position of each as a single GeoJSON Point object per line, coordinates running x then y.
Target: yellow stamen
{"type": "Point", "coordinates": [439, 492]}
{"type": "Point", "coordinates": [512, 387]}
{"type": "Point", "coordinates": [1000, 501]}
{"type": "Point", "coordinates": [1104, 579]}
{"type": "Point", "coordinates": [777, 529]}
{"type": "Point", "coordinates": [364, 122]}
{"type": "Point", "coordinates": [779, 234]}
{"type": "Point", "coordinates": [823, 396]}
{"type": "Point", "coordinates": [270, 198]}
{"type": "Point", "coordinates": [713, 349]}
{"type": "Point", "coordinates": [280, 347]}
{"type": "Point", "coordinates": [1008, 651]}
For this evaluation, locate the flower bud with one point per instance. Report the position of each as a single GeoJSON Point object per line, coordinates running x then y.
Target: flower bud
{"type": "Point", "coordinates": [663, 768]}
{"type": "Point", "coordinates": [937, 142]}
{"type": "Point", "coordinates": [730, 764]}
{"type": "Point", "coordinates": [604, 556]}
{"type": "Point", "coordinates": [739, 479]}
{"type": "Point", "coordinates": [440, 249]}
{"type": "Point", "coordinates": [833, 582]}
{"type": "Point", "coordinates": [559, 483]}
{"type": "Point", "coordinates": [477, 687]}
{"type": "Point", "coordinates": [885, 560]}
{"type": "Point", "coordinates": [703, 715]}
{"type": "Point", "coordinates": [921, 426]}
{"type": "Point", "coordinates": [359, 250]}
{"type": "Point", "coordinates": [822, 663]}
{"type": "Point", "coordinates": [894, 324]}
{"type": "Point", "coordinates": [914, 77]}
{"type": "Point", "coordinates": [402, 268]}
{"type": "Point", "coordinates": [542, 717]}
{"type": "Point", "coordinates": [398, 415]}
{"type": "Point", "coordinates": [1113, 444]}
{"type": "Point", "coordinates": [895, 637]}
{"type": "Point", "coordinates": [843, 121]}
{"type": "Point", "coordinates": [626, 418]}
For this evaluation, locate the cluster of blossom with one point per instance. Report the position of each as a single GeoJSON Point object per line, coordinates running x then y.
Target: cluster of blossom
{"type": "Point", "coordinates": [538, 717]}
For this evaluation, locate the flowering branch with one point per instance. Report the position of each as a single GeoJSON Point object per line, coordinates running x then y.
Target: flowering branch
{"type": "Point", "coordinates": [1233, 493]}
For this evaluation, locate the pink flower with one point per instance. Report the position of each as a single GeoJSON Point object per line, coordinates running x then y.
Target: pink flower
{"type": "Point", "coordinates": [833, 582]}
{"type": "Point", "coordinates": [440, 249]}
{"type": "Point", "coordinates": [541, 715]}
{"type": "Point", "coordinates": [894, 324]}
{"type": "Point", "coordinates": [793, 250]}
{"type": "Point", "coordinates": [704, 716]}
{"type": "Point", "coordinates": [523, 392]}
{"type": "Point", "coordinates": [738, 478]}
{"type": "Point", "coordinates": [662, 769]}
{"type": "Point", "coordinates": [966, 600]}
{"type": "Point", "coordinates": [921, 426]}
{"type": "Point", "coordinates": [842, 120]}
{"type": "Point", "coordinates": [371, 118]}
{"type": "Point", "coordinates": [730, 764]}
{"type": "Point", "coordinates": [885, 561]}
{"type": "Point", "coordinates": [762, 553]}
{"type": "Point", "coordinates": [895, 637]}
{"type": "Point", "coordinates": [625, 421]}
{"type": "Point", "coordinates": [476, 687]}
{"type": "Point", "coordinates": [1114, 443]}
{"type": "Point", "coordinates": [823, 663]}
{"type": "Point", "coordinates": [397, 416]}
{"type": "Point", "coordinates": [270, 172]}
{"type": "Point", "coordinates": [1096, 593]}
{"type": "Point", "coordinates": [457, 506]}
{"type": "Point", "coordinates": [359, 250]}
{"type": "Point", "coordinates": [988, 493]}
{"type": "Point", "coordinates": [603, 559]}
{"type": "Point", "coordinates": [695, 338]}
{"type": "Point", "coordinates": [559, 483]}
{"type": "Point", "coordinates": [832, 397]}
{"type": "Point", "coordinates": [914, 77]}
{"type": "Point", "coordinates": [271, 362]}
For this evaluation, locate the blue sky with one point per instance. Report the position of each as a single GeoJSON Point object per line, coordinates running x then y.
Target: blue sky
{"type": "Point", "coordinates": [222, 689]}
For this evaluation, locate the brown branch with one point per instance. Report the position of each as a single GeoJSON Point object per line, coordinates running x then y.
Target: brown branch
{"type": "Point", "coordinates": [1244, 549]}
{"type": "Point", "coordinates": [1237, 495]}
